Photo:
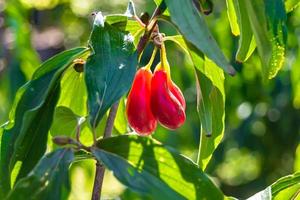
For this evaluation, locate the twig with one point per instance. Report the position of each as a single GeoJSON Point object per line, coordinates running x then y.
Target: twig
{"type": "Point", "coordinates": [150, 28]}
{"type": "Point", "coordinates": [99, 167]}
{"type": "Point", "coordinates": [110, 120]}
{"type": "Point", "coordinates": [98, 181]}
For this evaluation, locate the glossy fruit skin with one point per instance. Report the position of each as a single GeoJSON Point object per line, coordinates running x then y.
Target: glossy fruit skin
{"type": "Point", "coordinates": [167, 102]}
{"type": "Point", "coordinates": [138, 108]}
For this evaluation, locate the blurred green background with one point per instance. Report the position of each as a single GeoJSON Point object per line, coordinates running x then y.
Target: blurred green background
{"type": "Point", "coordinates": [262, 119]}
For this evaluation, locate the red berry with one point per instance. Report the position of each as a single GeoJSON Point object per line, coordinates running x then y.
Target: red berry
{"type": "Point", "coordinates": [167, 101]}
{"type": "Point", "coordinates": [138, 108]}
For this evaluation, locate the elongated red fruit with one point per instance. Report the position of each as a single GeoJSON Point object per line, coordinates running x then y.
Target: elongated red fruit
{"type": "Point", "coordinates": [167, 101]}
{"type": "Point", "coordinates": [138, 108]}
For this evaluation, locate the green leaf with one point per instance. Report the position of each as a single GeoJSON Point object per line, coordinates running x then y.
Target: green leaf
{"type": "Point", "coordinates": [246, 41]}
{"type": "Point", "coordinates": [162, 5]}
{"type": "Point", "coordinates": [123, 23]}
{"type": "Point", "coordinates": [290, 5]}
{"type": "Point", "coordinates": [66, 123]}
{"type": "Point", "coordinates": [210, 106]}
{"type": "Point", "coordinates": [268, 22]}
{"type": "Point", "coordinates": [48, 180]}
{"type": "Point", "coordinates": [287, 187]}
{"type": "Point", "coordinates": [121, 121]}
{"type": "Point", "coordinates": [192, 25]}
{"type": "Point", "coordinates": [16, 19]}
{"type": "Point", "coordinates": [295, 80]}
{"type": "Point", "coordinates": [149, 168]}
{"type": "Point", "coordinates": [25, 138]}
{"type": "Point", "coordinates": [231, 12]}
{"type": "Point", "coordinates": [73, 92]}
{"type": "Point", "coordinates": [110, 70]}
{"type": "Point", "coordinates": [210, 100]}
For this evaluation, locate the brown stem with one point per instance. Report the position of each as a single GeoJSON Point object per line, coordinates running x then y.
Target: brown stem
{"type": "Point", "coordinates": [98, 181]}
{"type": "Point", "coordinates": [149, 29]}
{"type": "Point", "coordinates": [99, 167]}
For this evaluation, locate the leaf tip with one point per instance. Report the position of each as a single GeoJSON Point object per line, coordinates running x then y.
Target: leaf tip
{"type": "Point", "coordinates": [99, 19]}
{"type": "Point", "coordinates": [130, 12]}
{"type": "Point", "coordinates": [231, 71]}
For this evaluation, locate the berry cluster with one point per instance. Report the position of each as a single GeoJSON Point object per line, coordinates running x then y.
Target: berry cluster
{"type": "Point", "coordinates": [155, 98]}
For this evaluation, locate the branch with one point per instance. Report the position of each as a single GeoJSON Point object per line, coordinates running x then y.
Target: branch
{"type": "Point", "coordinates": [98, 181]}
{"type": "Point", "coordinates": [150, 28]}
{"type": "Point", "coordinates": [99, 167]}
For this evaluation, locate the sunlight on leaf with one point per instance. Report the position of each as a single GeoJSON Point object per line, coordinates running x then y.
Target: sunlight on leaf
{"type": "Point", "coordinates": [153, 169]}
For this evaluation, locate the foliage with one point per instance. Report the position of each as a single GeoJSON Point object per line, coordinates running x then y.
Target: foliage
{"type": "Point", "coordinates": [72, 106]}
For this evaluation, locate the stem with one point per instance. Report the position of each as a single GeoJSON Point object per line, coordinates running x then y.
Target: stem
{"type": "Point", "coordinates": [139, 21]}
{"type": "Point", "coordinates": [98, 181]}
{"type": "Point", "coordinates": [148, 66]}
{"type": "Point", "coordinates": [199, 149]}
{"type": "Point", "coordinates": [149, 29]}
{"type": "Point", "coordinates": [110, 120]}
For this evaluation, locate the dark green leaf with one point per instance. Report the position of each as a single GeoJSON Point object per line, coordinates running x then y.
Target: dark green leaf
{"type": "Point", "coordinates": [287, 187]}
{"type": "Point", "coordinates": [150, 168]}
{"type": "Point", "coordinates": [48, 180]}
{"type": "Point", "coordinates": [110, 69]}
{"type": "Point", "coordinates": [246, 41]}
{"type": "Point", "coordinates": [25, 138]}
{"type": "Point", "coordinates": [268, 22]}
{"type": "Point", "coordinates": [192, 25]}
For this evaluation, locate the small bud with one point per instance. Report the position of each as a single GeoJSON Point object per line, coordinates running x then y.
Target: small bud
{"type": "Point", "coordinates": [79, 65]}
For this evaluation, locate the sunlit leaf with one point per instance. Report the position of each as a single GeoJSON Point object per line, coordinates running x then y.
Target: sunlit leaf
{"type": "Point", "coordinates": [48, 180]}
{"type": "Point", "coordinates": [109, 71]}
{"type": "Point", "coordinates": [295, 80]}
{"type": "Point", "coordinates": [162, 4]}
{"type": "Point", "coordinates": [67, 123]}
{"type": "Point", "coordinates": [232, 16]}
{"type": "Point", "coordinates": [73, 92]}
{"type": "Point", "coordinates": [149, 168]}
{"type": "Point", "coordinates": [268, 22]}
{"type": "Point", "coordinates": [123, 23]}
{"type": "Point", "coordinates": [193, 27]}
{"type": "Point", "coordinates": [25, 138]}
{"type": "Point", "coordinates": [246, 41]}
{"type": "Point", "coordinates": [120, 121]}
{"type": "Point", "coordinates": [210, 100]}
{"type": "Point", "coordinates": [290, 5]}
{"type": "Point", "coordinates": [287, 187]}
